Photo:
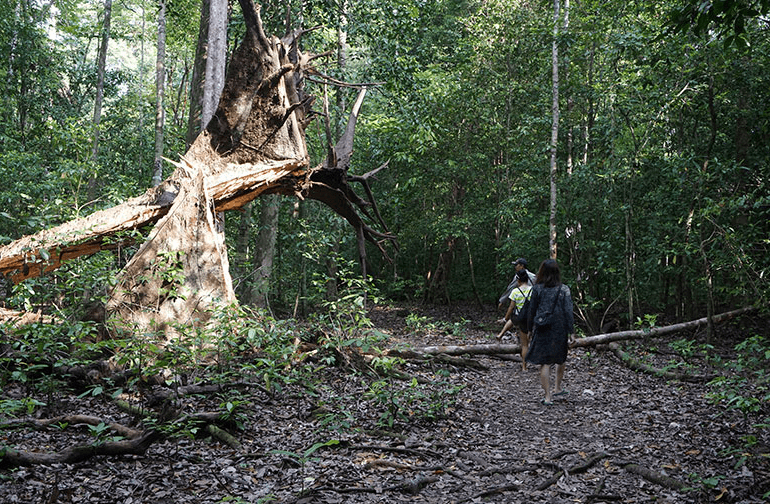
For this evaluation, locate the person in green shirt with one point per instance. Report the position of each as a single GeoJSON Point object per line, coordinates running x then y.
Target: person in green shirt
{"type": "Point", "coordinates": [518, 296]}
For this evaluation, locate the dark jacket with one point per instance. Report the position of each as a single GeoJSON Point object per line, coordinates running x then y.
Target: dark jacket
{"type": "Point", "coordinates": [550, 344]}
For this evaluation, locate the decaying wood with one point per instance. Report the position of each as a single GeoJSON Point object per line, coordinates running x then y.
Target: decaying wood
{"type": "Point", "coordinates": [110, 229]}
{"type": "Point", "coordinates": [19, 318]}
{"type": "Point", "coordinates": [223, 436]}
{"type": "Point", "coordinates": [179, 272]}
{"type": "Point", "coordinates": [254, 145]}
{"type": "Point", "coordinates": [483, 349]}
{"type": "Point", "coordinates": [439, 357]}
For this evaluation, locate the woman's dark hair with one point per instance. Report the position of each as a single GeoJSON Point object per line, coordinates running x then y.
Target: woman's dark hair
{"type": "Point", "coordinates": [523, 276]}
{"type": "Point", "coordinates": [549, 274]}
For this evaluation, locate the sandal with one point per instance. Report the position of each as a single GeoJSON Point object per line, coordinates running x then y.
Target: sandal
{"type": "Point", "coordinates": [562, 393]}
{"type": "Point", "coordinates": [546, 403]}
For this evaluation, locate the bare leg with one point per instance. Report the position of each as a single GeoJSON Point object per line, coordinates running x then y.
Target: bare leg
{"type": "Point", "coordinates": [545, 380]}
{"type": "Point", "coordinates": [507, 326]}
{"type": "Point", "coordinates": [559, 376]}
{"type": "Point", "coordinates": [524, 349]}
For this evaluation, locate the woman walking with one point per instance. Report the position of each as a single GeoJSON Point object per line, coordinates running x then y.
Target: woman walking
{"type": "Point", "coordinates": [519, 297]}
{"type": "Point", "coordinates": [551, 327]}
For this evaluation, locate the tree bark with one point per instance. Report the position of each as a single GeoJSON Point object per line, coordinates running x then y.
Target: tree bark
{"type": "Point", "coordinates": [497, 348]}
{"type": "Point", "coordinates": [198, 75]}
{"type": "Point", "coordinates": [553, 247]}
{"type": "Point", "coordinates": [160, 83]}
{"type": "Point", "coordinates": [265, 251]}
{"type": "Point", "coordinates": [216, 56]}
{"type": "Point", "coordinates": [15, 458]}
{"type": "Point", "coordinates": [100, 70]}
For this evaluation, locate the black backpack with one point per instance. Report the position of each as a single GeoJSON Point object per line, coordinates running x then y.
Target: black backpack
{"type": "Point", "coordinates": [522, 314]}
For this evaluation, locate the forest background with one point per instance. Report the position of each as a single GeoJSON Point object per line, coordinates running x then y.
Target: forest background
{"type": "Point", "coordinates": [661, 158]}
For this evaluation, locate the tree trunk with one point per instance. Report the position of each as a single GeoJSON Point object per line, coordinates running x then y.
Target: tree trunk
{"type": "Point", "coordinates": [436, 290]}
{"type": "Point", "coordinates": [139, 87]}
{"type": "Point", "coordinates": [630, 260]}
{"type": "Point", "coordinates": [216, 59]}
{"type": "Point", "coordinates": [554, 128]}
{"type": "Point", "coordinates": [160, 83]}
{"type": "Point", "coordinates": [265, 251]}
{"type": "Point", "coordinates": [589, 341]}
{"type": "Point", "coordinates": [209, 68]}
{"type": "Point", "coordinates": [100, 69]}
{"type": "Point", "coordinates": [198, 75]}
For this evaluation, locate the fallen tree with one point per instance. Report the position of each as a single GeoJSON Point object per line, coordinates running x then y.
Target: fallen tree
{"type": "Point", "coordinates": [254, 145]}
{"type": "Point", "coordinates": [589, 341]}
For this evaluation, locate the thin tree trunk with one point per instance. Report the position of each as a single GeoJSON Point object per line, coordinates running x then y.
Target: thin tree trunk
{"type": "Point", "coordinates": [265, 251]}
{"type": "Point", "coordinates": [179, 112]}
{"type": "Point", "coordinates": [241, 278]}
{"type": "Point", "coordinates": [198, 75]}
{"type": "Point", "coordinates": [473, 275]}
{"type": "Point", "coordinates": [589, 126]}
{"type": "Point", "coordinates": [100, 69]}
{"type": "Point", "coordinates": [140, 86]}
{"type": "Point", "coordinates": [553, 247]}
{"type": "Point", "coordinates": [160, 82]}
{"type": "Point", "coordinates": [711, 327]}
{"type": "Point", "coordinates": [710, 331]}
{"type": "Point", "coordinates": [630, 254]}
{"type": "Point", "coordinates": [570, 101]}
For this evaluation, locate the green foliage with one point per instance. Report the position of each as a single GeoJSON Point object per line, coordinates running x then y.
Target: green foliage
{"type": "Point", "coordinates": [649, 321]}
{"type": "Point", "coordinates": [748, 389]}
{"type": "Point", "coordinates": [100, 433]}
{"type": "Point", "coordinates": [15, 407]}
{"type": "Point", "coordinates": [726, 18]}
{"type": "Point", "coordinates": [305, 457]}
{"type": "Point", "coordinates": [402, 404]}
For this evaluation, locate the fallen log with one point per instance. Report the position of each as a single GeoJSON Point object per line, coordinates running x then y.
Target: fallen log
{"type": "Point", "coordinates": [599, 339]}
{"type": "Point", "coordinates": [659, 331]}
{"type": "Point", "coordinates": [482, 349]}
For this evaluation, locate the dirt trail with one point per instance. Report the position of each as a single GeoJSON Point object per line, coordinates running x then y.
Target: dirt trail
{"type": "Point", "coordinates": [620, 436]}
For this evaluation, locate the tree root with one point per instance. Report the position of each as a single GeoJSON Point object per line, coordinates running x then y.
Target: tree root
{"type": "Point", "coordinates": [492, 491]}
{"type": "Point", "coordinates": [636, 365]}
{"type": "Point", "coordinates": [136, 443]}
{"type": "Point", "coordinates": [15, 458]}
{"type": "Point", "coordinates": [576, 469]}
{"type": "Point", "coordinates": [122, 430]}
{"type": "Point", "coordinates": [652, 476]}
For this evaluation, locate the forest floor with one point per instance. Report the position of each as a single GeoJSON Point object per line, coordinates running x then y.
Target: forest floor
{"type": "Point", "coordinates": [617, 436]}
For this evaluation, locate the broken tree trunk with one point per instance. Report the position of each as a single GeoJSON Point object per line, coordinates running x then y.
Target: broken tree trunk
{"type": "Point", "coordinates": [254, 145]}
